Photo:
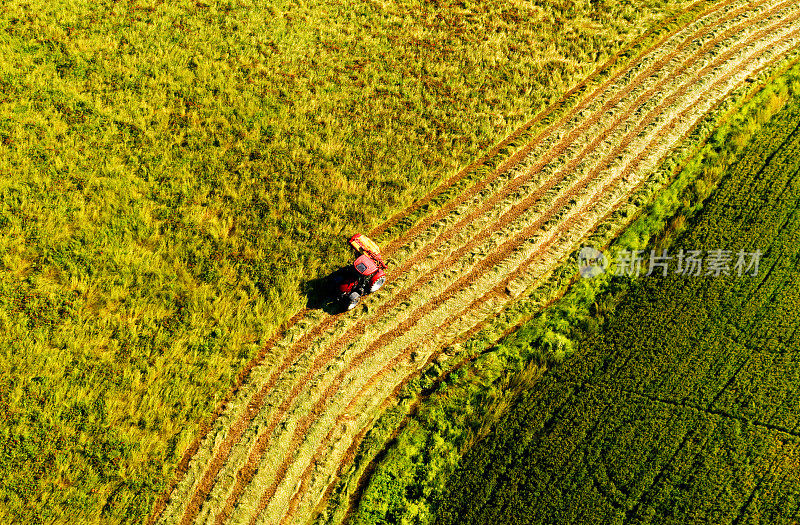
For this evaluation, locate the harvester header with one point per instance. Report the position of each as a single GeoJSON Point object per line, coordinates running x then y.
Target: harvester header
{"type": "Point", "coordinates": [363, 244]}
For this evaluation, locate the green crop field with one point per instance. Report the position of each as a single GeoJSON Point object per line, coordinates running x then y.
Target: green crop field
{"type": "Point", "coordinates": [683, 406]}
{"type": "Point", "coordinates": [173, 174]}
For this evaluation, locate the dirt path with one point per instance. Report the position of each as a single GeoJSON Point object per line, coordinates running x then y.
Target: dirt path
{"type": "Point", "coordinates": [273, 447]}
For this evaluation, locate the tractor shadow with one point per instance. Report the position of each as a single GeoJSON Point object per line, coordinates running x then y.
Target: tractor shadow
{"type": "Point", "coordinates": [322, 292]}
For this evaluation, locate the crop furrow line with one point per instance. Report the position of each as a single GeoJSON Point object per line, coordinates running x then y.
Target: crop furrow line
{"type": "Point", "coordinates": [714, 412]}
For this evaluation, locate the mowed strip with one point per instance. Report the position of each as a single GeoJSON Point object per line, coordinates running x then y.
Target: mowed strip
{"type": "Point", "coordinates": [281, 334]}
{"type": "Point", "coordinates": [578, 224]}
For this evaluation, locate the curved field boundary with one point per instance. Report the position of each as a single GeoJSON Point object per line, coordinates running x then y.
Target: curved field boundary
{"type": "Point", "coordinates": [570, 223]}
{"type": "Point", "coordinates": [243, 424]}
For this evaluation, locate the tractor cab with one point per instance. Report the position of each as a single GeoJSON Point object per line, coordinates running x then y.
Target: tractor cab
{"type": "Point", "coordinates": [367, 271]}
{"type": "Point", "coordinates": [365, 265]}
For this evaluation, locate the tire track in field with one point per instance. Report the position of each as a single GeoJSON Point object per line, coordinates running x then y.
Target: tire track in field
{"type": "Point", "coordinates": [246, 473]}
{"type": "Point", "coordinates": [320, 328]}
{"type": "Point", "coordinates": [304, 478]}
{"type": "Point", "coordinates": [714, 412]}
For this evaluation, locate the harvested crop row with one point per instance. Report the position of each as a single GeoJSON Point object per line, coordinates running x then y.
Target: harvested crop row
{"type": "Point", "coordinates": [256, 405]}
{"type": "Point", "coordinates": [586, 224]}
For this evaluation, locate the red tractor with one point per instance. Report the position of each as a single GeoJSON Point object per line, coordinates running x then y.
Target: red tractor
{"type": "Point", "coordinates": [366, 275]}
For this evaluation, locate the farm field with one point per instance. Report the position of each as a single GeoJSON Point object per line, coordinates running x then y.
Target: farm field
{"type": "Point", "coordinates": [274, 451]}
{"type": "Point", "coordinates": [683, 408]}
{"type": "Point", "coordinates": [174, 174]}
